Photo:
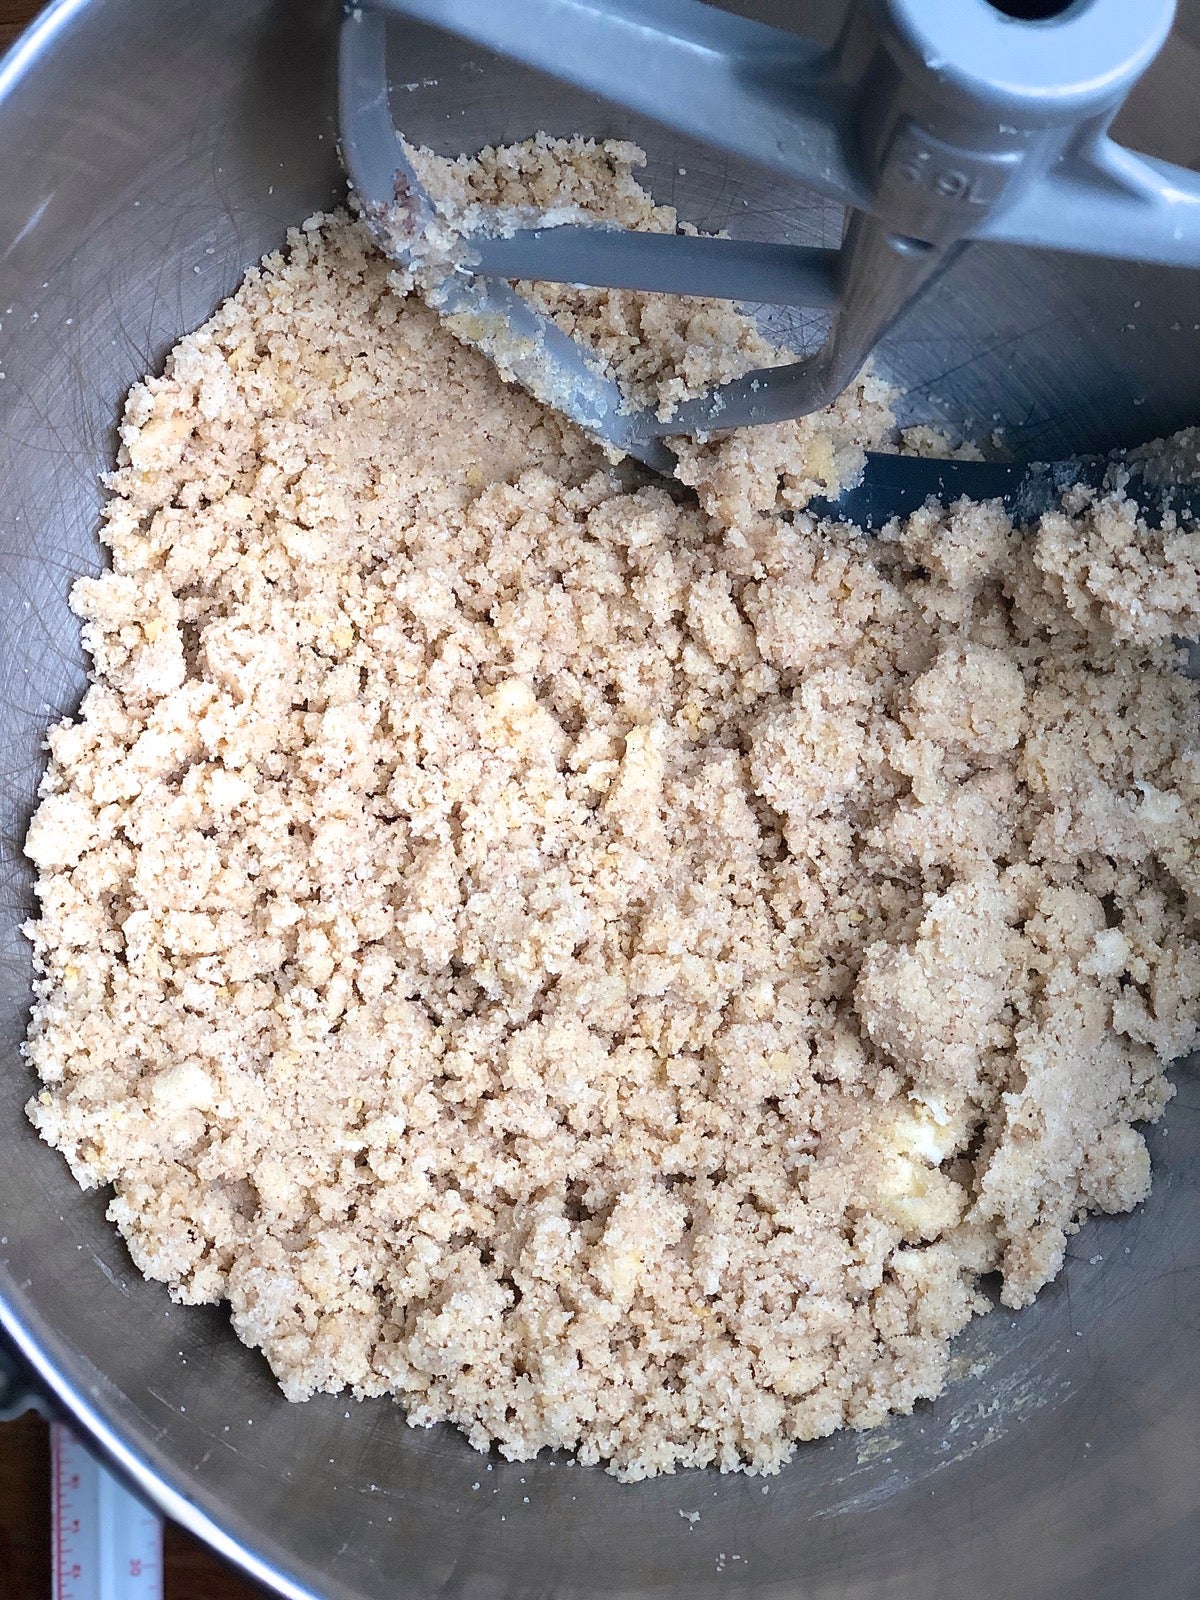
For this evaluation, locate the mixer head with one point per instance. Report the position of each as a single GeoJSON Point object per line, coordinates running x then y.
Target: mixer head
{"type": "Point", "coordinates": [933, 122]}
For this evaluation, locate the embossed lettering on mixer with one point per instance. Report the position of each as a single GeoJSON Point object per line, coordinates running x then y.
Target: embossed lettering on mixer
{"type": "Point", "coordinates": [611, 969]}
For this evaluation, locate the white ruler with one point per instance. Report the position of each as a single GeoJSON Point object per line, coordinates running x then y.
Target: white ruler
{"type": "Point", "coordinates": [106, 1544]}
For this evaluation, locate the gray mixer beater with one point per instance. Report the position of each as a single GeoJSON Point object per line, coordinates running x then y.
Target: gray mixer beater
{"type": "Point", "coordinates": [934, 122]}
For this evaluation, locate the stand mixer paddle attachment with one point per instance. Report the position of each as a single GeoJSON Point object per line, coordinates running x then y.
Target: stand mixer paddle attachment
{"type": "Point", "coordinates": [933, 122]}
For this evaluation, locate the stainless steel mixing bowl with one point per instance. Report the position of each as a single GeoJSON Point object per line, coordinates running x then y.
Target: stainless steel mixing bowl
{"type": "Point", "coordinates": [148, 154]}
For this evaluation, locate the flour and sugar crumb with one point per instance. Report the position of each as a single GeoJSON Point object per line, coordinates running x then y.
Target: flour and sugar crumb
{"type": "Point", "coordinates": [611, 971]}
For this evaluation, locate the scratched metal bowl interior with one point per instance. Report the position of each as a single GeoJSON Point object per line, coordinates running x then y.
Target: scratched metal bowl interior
{"type": "Point", "coordinates": [148, 155]}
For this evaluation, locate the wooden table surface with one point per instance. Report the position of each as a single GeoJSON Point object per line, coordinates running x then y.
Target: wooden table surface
{"type": "Point", "coordinates": [14, 14]}
{"type": "Point", "coordinates": [192, 1572]}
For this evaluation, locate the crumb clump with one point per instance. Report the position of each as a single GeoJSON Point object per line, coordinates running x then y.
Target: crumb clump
{"type": "Point", "coordinates": [610, 975]}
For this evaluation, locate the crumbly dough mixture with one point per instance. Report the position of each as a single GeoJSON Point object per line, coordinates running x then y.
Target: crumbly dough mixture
{"type": "Point", "coordinates": [610, 971]}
